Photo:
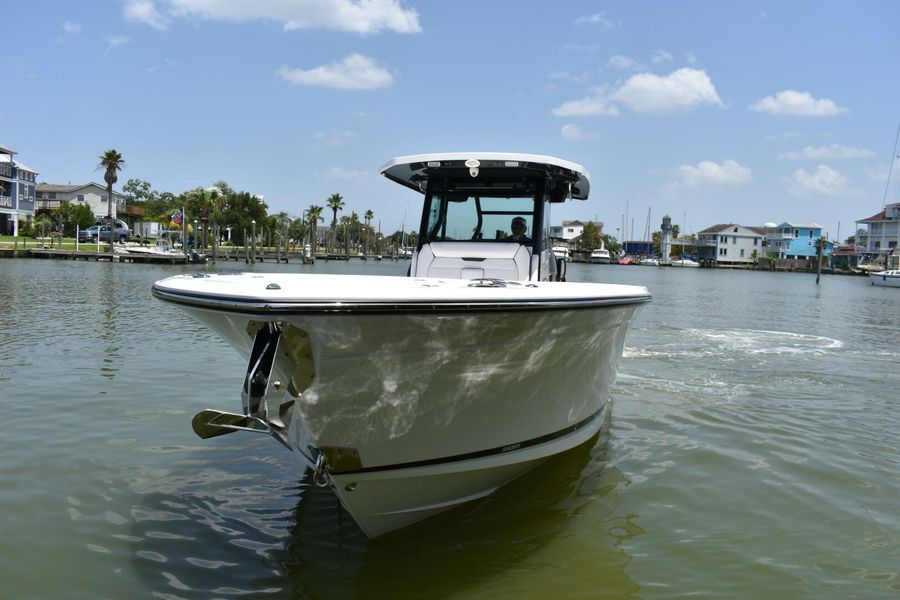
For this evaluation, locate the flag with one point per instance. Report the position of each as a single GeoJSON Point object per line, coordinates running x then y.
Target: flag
{"type": "Point", "coordinates": [178, 217]}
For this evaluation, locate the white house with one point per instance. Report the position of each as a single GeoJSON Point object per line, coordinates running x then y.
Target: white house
{"type": "Point", "coordinates": [729, 244]}
{"type": "Point", "coordinates": [883, 234]}
{"type": "Point", "coordinates": [50, 195]}
{"type": "Point", "coordinates": [16, 192]}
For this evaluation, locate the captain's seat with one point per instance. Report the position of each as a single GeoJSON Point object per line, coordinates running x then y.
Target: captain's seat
{"type": "Point", "coordinates": [473, 260]}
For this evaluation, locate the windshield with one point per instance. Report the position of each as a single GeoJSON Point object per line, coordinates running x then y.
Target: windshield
{"type": "Point", "coordinates": [455, 216]}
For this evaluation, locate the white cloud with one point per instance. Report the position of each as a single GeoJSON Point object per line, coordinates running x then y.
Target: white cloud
{"type": "Point", "coordinates": [825, 182]}
{"type": "Point", "coordinates": [144, 11]}
{"type": "Point", "coordinates": [361, 16]}
{"type": "Point", "coordinates": [679, 91]}
{"type": "Point", "coordinates": [797, 104]}
{"type": "Point", "coordinates": [829, 152]}
{"type": "Point", "coordinates": [597, 19]}
{"type": "Point", "coordinates": [708, 173]}
{"type": "Point", "coordinates": [575, 133]}
{"type": "Point", "coordinates": [590, 106]}
{"type": "Point", "coordinates": [355, 72]}
{"type": "Point", "coordinates": [622, 62]}
{"type": "Point", "coordinates": [660, 56]}
{"type": "Point", "coordinates": [334, 138]}
{"type": "Point", "coordinates": [71, 28]}
{"type": "Point", "coordinates": [342, 174]}
{"type": "Point", "coordinates": [114, 41]}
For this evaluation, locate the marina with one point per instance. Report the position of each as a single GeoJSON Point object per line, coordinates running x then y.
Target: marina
{"type": "Point", "coordinates": [747, 449]}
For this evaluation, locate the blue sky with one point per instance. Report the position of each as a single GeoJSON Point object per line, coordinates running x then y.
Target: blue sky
{"type": "Point", "coordinates": [713, 112]}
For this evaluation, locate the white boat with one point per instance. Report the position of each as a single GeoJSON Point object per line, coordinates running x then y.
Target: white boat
{"type": "Point", "coordinates": [600, 256]}
{"type": "Point", "coordinates": [409, 396]}
{"type": "Point", "coordinates": [162, 245]}
{"type": "Point", "coordinates": [886, 278]}
{"type": "Point", "coordinates": [684, 262]}
{"type": "Point", "coordinates": [562, 253]}
{"type": "Point", "coordinates": [649, 262]}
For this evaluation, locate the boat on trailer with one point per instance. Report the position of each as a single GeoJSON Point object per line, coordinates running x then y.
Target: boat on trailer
{"type": "Point", "coordinates": [409, 396]}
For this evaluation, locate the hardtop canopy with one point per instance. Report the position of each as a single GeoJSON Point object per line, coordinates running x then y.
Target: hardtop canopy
{"type": "Point", "coordinates": [413, 171]}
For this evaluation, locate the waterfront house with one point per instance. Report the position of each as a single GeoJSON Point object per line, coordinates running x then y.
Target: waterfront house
{"type": "Point", "coordinates": [51, 195]}
{"type": "Point", "coordinates": [882, 233]}
{"type": "Point", "coordinates": [17, 193]}
{"type": "Point", "coordinates": [795, 240]}
{"type": "Point", "coordinates": [729, 244]}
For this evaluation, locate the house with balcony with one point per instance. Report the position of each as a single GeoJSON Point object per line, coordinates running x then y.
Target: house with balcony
{"type": "Point", "coordinates": [94, 195]}
{"type": "Point", "coordinates": [795, 240]}
{"type": "Point", "coordinates": [569, 233]}
{"type": "Point", "coordinates": [17, 193]}
{"type": "Point", "coordinates": [882, 233]}
{"type": "Point", "coordinates": [729, 244]}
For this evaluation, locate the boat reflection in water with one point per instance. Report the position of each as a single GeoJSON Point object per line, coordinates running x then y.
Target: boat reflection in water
{"type": "Point", "coordinates": [409, 396]}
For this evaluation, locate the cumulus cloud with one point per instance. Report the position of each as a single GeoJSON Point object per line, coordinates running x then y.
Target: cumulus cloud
{"type": "Point", "coordinates": [599, 19]}
{"type": "Point", "coordinates": [681, 90]}
{"type": "Point", "coordinates": [825, 181]}
{"type": "Point", "coordinates": [355, 72]}
{"type": "Point", "coordinates": [708, 173]}
{"type": "Point", "coordinates": [829, 152]}
{"type": "Point", "coordinates": [622, 62]}
{"type": "Point", "coordinates": [575, 133]}
{"type": "Point", "coordinates": [70, 30]}
{"type": "Point", "coordinates": [598, 104]}
{"type": "Point", "coordinates": [660, 56]}
{"type": "Point", "coordinates": [114, 41]}
{"type": "Point", "coordinates": [144, 11]}
{"type": "Point", "coordinates": [361, 16]}
{"type": "Point", "coordinates": [797, 104]}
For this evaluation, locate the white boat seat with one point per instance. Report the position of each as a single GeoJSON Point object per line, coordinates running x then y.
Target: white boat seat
{"type": "Point", "coordinates": [473, 260]}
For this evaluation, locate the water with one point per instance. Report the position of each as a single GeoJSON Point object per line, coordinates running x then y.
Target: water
{"type": "Point", "coordinates": [752, 452]}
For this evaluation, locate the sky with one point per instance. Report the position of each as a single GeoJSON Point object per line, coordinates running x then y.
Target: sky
{"type": "Point", "coordinates": [711, 112]}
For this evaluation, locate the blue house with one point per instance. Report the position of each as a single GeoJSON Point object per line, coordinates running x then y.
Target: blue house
{"type": "Point", "coordinates": [796, 240]}
{"type": "Point", "coordinates": [16, 192]}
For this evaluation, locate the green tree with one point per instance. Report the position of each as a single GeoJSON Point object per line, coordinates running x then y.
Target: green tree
{"type": "Point", "coordinates": [590, 237]}
{"type": "Point", "coordinates": [138, 191]}
{"type": "Point", "coordinates": [112, 162]}
{"type": "Point", "coordinates": [335, 203]}
{"type": "Point", "coordinates": [368, 216]}
{"type": "Point", "coordinates": [315, 215]}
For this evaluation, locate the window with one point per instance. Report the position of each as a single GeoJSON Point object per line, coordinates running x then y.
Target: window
{"type": "Point", "coordinates": [723, 239]}
{"type": "Point", "coordinates": [755, 241]}
{"type": "Point", "coordinates": [459, 216]}
{"type": "Point", "coordinates": [81, 197]}
{"type": "Point", "coordinates": [734, 240]}
{"type": "Point", "coordinates": [103, 198]}
{"type": "Point", "coordinates": [735, 229]}
{"type": "Point", "coordinates": [810, 234]}
{"type": "Point", "coordinates": [796, 233]}
{"type": "Point", "coordinates": [742, 253]}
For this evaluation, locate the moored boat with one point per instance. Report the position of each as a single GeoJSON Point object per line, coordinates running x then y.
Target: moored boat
{"type": "Point", "coordinates": [684, 262]}
{"type": "Point", "coordinates": [411, 395]}
{"type": "Point", "coordinates": [600, 256]}
{"type": "Point", "coordinates": [886, 278]}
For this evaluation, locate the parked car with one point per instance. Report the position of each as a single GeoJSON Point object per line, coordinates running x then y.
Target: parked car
{"type": "Point", "coordinates": [101, 233]}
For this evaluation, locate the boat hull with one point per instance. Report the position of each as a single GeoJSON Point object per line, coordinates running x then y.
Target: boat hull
{"type": "Point", "coordinates": [416, 411]}
{"type": "Point", "coordinates": [886, 278]}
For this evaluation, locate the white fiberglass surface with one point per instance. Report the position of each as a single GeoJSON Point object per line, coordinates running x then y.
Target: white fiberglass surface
{"type": "Point", "coordinates": [274, 287]}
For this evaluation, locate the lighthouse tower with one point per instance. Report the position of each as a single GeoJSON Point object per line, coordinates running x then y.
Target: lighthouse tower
{"type": "Point", "coordinates": [665, 242]}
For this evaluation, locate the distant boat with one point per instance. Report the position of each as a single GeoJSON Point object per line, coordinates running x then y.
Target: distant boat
{"type": "Point", "coordinates": [625, 260]}
{"type": "Point", "coordinates": [886, 278]}
{"type": "Point", "coordinates": [684, 262]}
{"type": "Point", "coordinates": [600, 256]}
{"type": "Point", "coordinates": [649, 262]}
{"type": "Point", "coordinates": [561, 252]}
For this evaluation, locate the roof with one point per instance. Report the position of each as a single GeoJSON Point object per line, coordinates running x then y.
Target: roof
{"type": "Point", "coordinates": [66, 188]}
{"type": "Point", "coordinates": [6, 150]}
{"type": "Point", "coordinates": [7, 158]}
{"type": "Point", "coordinates": [576, 222]}
{"type": "Point", "coordinates": [717, 228]}
{"type": "Point", "coordinates": [411, 170]}
{"type": "Point", "coordinates": [800, 224]}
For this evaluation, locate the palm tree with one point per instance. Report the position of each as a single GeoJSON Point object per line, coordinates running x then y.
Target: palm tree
{"type": "Point", "coordinates": [335, 203]}
{"type": "Point", "coordinates": [112, 161]}
{"type": "Point", "coordinates": [315, 215]}
{"type": "Point", "coordinates": [368, 216]}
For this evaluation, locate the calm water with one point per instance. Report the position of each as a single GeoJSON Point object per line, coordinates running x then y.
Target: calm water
{"type": "Point", "coordinates": [752, 452]}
